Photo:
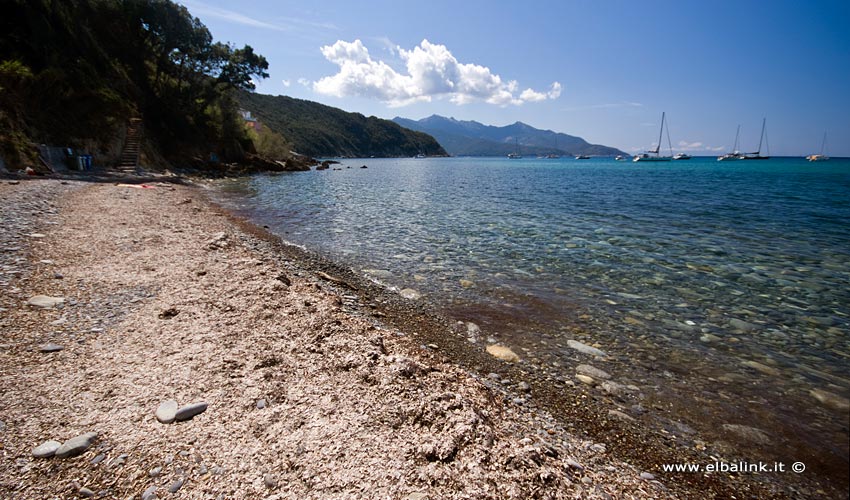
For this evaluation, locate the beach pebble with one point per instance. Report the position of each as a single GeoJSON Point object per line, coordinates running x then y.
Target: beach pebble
{"type": "Point", "coordinates": [749, 433]}
{"type": "Point", "coordinates": [76, 445]}
{"type": "Point", "coordinates": [270, 481]}
{"type": "Point", "coordinates": [261, 403]}
{"type": "Point", "coordinates": [466, 283]}
{"type": "Point", "coordinates": [167, 411]}
{"type": "Point", "coordinates": [155, 472]}
{"type": "Point", "coordinates": [410, 294]}
{"type": "Point", "coordinates": [767, 370]}
{"type": "Point", "coordinates": [46, 449]}
{"type": "Point", "coordinates": [176, 485]}
{"type": "Point", "coordinates": [150, 493]}
{"type": "Point", "coordinates": [585, 379]}
{"type": "Point", "coordinates": [86, 493]}
{"type": "Point", "coordinates": [45, 301]}
{"type": "Point", "coordinates": [612, 388]}
{"type": "Point", "coordinates": [189, 411]}
{"type": "Point", "coordinates": [524, 387]}
{"type": "Point", "coordinates": [742, 325]}
{"type": "Point", "coordinates": [620, 415]}
{"type": "Point", "coordinates": [708, 338]}
{"type": "Point", "coordinates": [575, 465]}
{"type": "Point", "coordinates": [502, 352]}
{"type": "Point", "coordinates": [586, 349]}
{"type": "Point", "coordinates": [647, 476]}
{"type": "Point", "coordinates": [591, 371]}
{"type": "Point", "coordinates": [831, 400]}
{"type": "Point", "coordinates": [50, 347]}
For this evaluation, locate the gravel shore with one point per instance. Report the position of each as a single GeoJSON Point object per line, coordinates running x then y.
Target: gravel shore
{"type": "Point", "coordinates": [283, 381]}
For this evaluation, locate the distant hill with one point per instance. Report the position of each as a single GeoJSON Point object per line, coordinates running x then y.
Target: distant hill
{"type": "Point", "coordinates": [470, 138]}
{"type": "Point", "coordinates": [323, 131]}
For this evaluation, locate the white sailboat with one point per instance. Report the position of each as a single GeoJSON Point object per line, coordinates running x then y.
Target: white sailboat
{"type": "Point", "coordinates": [653, 155]}
{"type": "Point", "coordinates": [821, 156]}
{"type": "Point", "coordinates": [735, 154]}
{"type": "Point", "coordinates": [515, 155]}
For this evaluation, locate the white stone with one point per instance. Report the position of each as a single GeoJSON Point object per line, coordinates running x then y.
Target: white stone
{"type": "Point", "coordinates": [45, 301]}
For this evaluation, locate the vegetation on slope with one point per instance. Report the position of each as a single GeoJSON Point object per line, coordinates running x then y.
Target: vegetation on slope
{"type": "Point", "coordinates": [73, 71]}
{"type": "Point", "coordinates": [323, 131]}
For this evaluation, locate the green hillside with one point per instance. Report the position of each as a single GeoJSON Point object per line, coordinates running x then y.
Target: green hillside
{"type": "Point", "coordinates": [323, 131]}
{"type": "Point", "coordinates": [73, 72]}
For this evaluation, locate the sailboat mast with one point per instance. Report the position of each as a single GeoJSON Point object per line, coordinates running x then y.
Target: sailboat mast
{"type": "Point", "coordinates": [823, 144]}
{"type": "Point", "coordinates": [737, 134]}
{"type": "Point", "coordinates": [761, 139]}
{"type": "Point", "coordinates": [660, 132]}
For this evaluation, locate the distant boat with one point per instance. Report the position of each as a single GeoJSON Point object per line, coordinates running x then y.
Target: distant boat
{"type": "Point", "coordinates": [735, 154]}
{"type": "Point", "coordinates": [757, 154]}
{"type": "Point", "coordinates": [553, 156]}
{"type": "Point", "coordinates": [515, 155]}
{"type": "Point", "coordinates": [648, 156]}
{"type": "Point", "coordinates": [821, 156]}
{"type": "Point", "coordinates": [582, 157]}
{"type": "Point", "coordinates": [682, 156]}
{"type": "Point", "coordinates": [620, 158]}
{"type": "Point", "coordinates": [420, 155]}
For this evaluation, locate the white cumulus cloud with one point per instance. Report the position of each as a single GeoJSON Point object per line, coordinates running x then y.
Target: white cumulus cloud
{"type": "Point", "coordinates": [286, 83]}
{"type": "Point", "coordinates": [431, 72]}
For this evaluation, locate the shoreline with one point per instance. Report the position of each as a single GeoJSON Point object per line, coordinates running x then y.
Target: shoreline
{"type": "Point", "coordinates": [417, 334]}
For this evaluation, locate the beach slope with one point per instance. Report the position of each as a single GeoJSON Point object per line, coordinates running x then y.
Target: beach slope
{"type": "Point", "coordinates": [305, 392]}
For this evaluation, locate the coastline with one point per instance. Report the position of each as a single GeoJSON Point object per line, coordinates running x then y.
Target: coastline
{"type": "Point", "coordinates": [365, 393]}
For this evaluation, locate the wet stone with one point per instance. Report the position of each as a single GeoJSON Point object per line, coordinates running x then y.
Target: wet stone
{"type": "Point", "coordinates": [586, 349]}
{"type": "Point", "coordinates": [592, 371]}
{"type": "Point", "coordinates": [503, 353]}
{"type": "Point", "coordinates": [749, 433]}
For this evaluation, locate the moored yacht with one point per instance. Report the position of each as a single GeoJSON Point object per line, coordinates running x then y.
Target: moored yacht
{"type": "Point", "coordinates": [653, 155]}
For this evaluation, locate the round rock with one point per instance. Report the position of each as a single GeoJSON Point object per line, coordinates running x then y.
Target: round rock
{"type": "Point", "coordinates": [167, 411]}
{"type": "Point", "coordinates": [502, 352]}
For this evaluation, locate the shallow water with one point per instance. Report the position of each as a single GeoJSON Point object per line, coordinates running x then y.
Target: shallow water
{"type": "Point", "coordinates": [684, 271]}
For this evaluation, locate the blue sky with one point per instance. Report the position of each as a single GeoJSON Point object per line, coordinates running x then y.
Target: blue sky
{"type": "Point", "coordinates": [602, 70]}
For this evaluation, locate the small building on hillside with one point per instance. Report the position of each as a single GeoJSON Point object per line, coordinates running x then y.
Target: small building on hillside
{"type": "Point", "coordinates": [250, 121]}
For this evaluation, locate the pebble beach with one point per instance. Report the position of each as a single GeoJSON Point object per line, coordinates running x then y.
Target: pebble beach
{"type": "Point", "coordinates": [155, 345]}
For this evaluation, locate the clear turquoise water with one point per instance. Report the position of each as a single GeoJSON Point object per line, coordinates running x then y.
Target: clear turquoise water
{"type": "Point", "coordinates": [695, 266]}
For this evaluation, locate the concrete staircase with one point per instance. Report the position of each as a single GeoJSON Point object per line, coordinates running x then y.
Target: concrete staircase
{"type": "Point", "coordinates": [129, 162]}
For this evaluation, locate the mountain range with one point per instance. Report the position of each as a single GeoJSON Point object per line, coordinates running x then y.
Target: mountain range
{"type": "Point", "coordinates": [471, 138]}
{"type": "Point", "coordinates": [324, 131]}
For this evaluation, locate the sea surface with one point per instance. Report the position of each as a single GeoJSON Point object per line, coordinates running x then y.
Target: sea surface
{"type": "Point", "coordinates": [720, 289]}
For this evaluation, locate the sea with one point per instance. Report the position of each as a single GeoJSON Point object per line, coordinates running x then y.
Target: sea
{"type": "Point", "coordinates": [721, 290]}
